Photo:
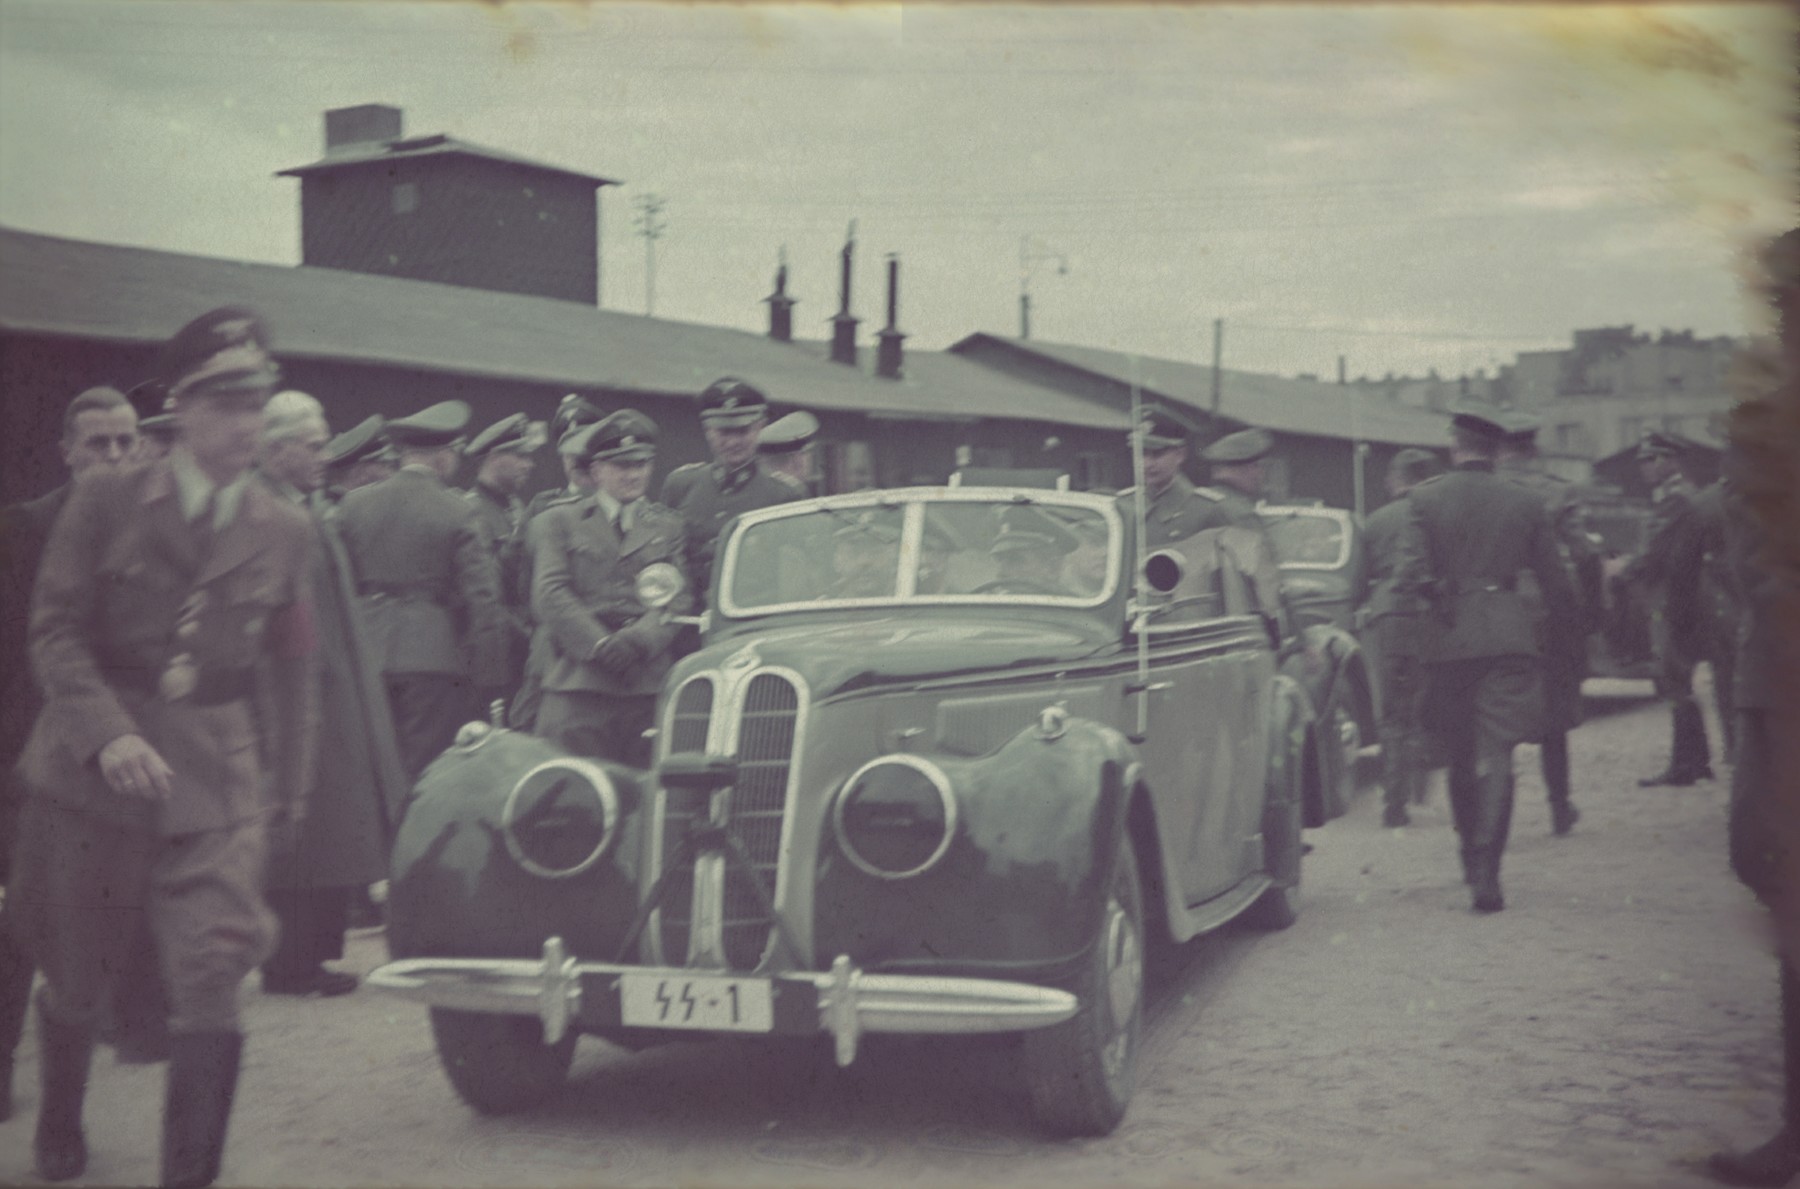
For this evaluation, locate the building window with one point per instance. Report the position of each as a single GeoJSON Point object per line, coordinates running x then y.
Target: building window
{"type": "Point", "coordinates": [406, 197]}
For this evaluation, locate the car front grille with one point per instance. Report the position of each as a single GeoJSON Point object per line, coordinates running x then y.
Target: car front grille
{"type": "Point", "coordinates": [766, 714]}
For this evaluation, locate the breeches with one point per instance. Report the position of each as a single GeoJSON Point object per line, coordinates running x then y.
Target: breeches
{"type": "Point", "coordinates": [605, 726]}
{"type": "Point", "coordinates": [1482, 707]}
{"type": "Point", "coordinates": [84, 887]}
{"type": "Point", "coordinates": [1402, 679]}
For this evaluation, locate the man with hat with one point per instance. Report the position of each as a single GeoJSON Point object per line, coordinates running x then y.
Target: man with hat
{"type": "Point", "coordinates": [785, 448]}
{"type": "Point", "coordinates": [708, 495]}
{"type": "Point", "coordinates": [1469, 535]}
{"type": "Point", "coordinates": [1236, 463]}
{"type": "Point", "coordinates": [503, 454]}
{"type": "Point", "coordinates": [1667, 572]}
{"type": "Point", "coordinates": [156, 419]}
{"type": "Point", "coordinates": [1174, 508]}
{"type": "Point", "coordinates": [359, 456]}
{"type": "Point", "coordinates": [319, 871]}
{"type": "Point", "coordinates": [429, 586]}
{"type": "Point", "coordinates": [1389, 632]}
{"type": "Point", "coordinates": [1565, 666]}
{"type": "Point", "coordinates": [164, 590]}
{"type": "Point", "coordinates": [1028, 553]}
{"type": "Point", "coordinates": [611, 652]}
{"type": "Point", "coordinates": [573, 415]}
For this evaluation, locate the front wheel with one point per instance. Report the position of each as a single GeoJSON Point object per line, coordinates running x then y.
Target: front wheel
{"type": "Point", "coordinates": [1081, 1073]}
{"type": "Point", "coordinates": [499, 1064]}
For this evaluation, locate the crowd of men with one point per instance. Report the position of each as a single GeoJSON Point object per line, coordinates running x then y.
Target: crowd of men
{"type": "Point", "coordinates": [225, 584]}
{"type": "Point", "coordinates": [222, 588]}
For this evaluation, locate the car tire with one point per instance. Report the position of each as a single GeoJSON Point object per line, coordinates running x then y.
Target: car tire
{"type": "Point", "coordinates": [499, 1064]}
{"type": "Point", "coordinates": [1279, 905]}
{"type": "Point", "coordinates": [1081, 1073]}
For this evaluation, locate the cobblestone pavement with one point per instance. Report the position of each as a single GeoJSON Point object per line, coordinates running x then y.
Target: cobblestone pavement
{"type": "Point", "coordinates": [1611, 1027]}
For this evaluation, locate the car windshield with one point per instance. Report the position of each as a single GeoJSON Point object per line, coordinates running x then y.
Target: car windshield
{"type": "Point", "coordinates": [950, 545]}
{"type": "Point", "coordinates": [1313, 540]}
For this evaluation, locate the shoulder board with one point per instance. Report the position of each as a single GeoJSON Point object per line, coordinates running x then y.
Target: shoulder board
{"type": "Point", "coordinates": [1211, 493]}
{"type": "Point", "coordinates": [1123, 492]}
{"type": "Point", "coordinates": [1430, 479]}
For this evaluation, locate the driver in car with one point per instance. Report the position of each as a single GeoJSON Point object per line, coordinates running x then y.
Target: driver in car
{"type": "Point", "coordinates": [865, 556]}
{"type": "Point", "coordinates": [1028, 554]}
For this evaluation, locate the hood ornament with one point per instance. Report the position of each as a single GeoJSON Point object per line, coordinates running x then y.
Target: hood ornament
{"type": "Point", "coordinates": [744, 658]}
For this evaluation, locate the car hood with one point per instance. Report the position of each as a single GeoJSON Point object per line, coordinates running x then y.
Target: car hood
{"type": "Point", "coordinates": [841, 657]}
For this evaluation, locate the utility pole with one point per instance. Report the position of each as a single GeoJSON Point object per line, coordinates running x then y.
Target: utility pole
{"type": "Point", "coordinates": [1218, 354]}
{"type": "Point", "coordinates": [650, 224]}
{"type": "Point", "coordinates": [1032, 253]}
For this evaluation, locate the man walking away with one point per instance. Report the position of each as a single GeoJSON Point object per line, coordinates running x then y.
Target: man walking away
{"type": "Point", "coordinates": [1469, 536]}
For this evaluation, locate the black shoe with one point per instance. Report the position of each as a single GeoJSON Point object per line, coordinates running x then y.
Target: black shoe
{"type": "Point", "coordinates": [1674, 778]}
{"type": "Point", "coordinates": [322, 982]}
{"type": "Point", "coordinates": [203, 1074]}
{"type": "Point", "coordinates": [1487, 897]}
{"type": "Point", "coordinates": [1563, 818]}
{"type": "Point", "coordinates": [1774, 1163]}
{"type": "Point", "coordinates": [59, 1145]}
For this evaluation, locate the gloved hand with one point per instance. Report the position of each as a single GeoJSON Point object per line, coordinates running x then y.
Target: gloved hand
{"type": "Point", "coordinates": [622, 652]}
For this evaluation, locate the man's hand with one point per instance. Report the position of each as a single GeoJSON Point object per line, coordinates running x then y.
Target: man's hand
{"type": "Point", "coordinates": [133, 768]}
{"type": "Point", "coordinates": [621, 652]}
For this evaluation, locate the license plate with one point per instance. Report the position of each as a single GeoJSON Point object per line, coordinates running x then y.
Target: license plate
{"type": "Point", "coordinates": [702, 1002]}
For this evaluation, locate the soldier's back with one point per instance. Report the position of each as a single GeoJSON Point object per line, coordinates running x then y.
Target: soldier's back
{"type": "Point", "coordinates": [404, 530]}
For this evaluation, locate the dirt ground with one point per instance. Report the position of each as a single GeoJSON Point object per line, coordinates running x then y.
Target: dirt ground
{"type": "Point", "coordinates": [1614, 1025]}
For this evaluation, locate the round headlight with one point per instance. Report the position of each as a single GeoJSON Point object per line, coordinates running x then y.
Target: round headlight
{"type": "Point", "coordinates": [896, 816]}
{"type": "Point", "coordinates": [560, 818]}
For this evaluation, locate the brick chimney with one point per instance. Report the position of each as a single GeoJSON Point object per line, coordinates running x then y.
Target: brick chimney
{"type": "Point", "coordinates": [843, 323]}
{"type": "Point", "coordinates": [887, 350]}
{"type": "Point", "coordinates": [349, 129]}
{"type": "Point", "coordinates": [781, 306]}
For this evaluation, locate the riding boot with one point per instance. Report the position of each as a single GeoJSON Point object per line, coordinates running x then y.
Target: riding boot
{"type": "Point", "coordinates": [1692, 754]}
{"type": "Point", "coordinates": [1776, 1161]}
{"type": "Point", "coordinates": [15, 998]}
{"type": "Point", "coordinates": [1492, 822]}
{"type": "Point", "coordinates": [203, 1071]}
{"type": "Point", "coordinates": [67, 1051]}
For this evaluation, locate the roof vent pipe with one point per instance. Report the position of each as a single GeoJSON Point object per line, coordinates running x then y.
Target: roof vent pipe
{"type": "Point", "coordinates": [781, 306]}
{"type": "Point", "coordinates": [887, 349]}
{"type": "Point", "coordinates": [843, 323]}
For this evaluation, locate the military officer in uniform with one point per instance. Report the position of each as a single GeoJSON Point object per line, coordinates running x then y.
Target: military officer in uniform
{"type": "Point", "coordinates": [321, 870]}
{"type": "Point", "coordinates": [1236, 463]}
{"type": "Point", "coordinates": [1174, 509]}
{"type": "Point", "coordinates": [1721, 603]}
{"type": "Point", "coordinates": [572, 416]}
{"type": "Point", "coordinates": [359, 456]}
{"type": "Point", "coordinates": [1391, 634]}
{"type": "Point", "coordinates": [163, 589]}
{"type": "Point", "coordinates": [1469, 535]}
{"type": "Point", "coordinates": [1668, 570]}
{"type": "Point", "coordinates": [429, 587]}
{"type": "Point", "coordinates": [611, 652]}
{"type": "Point", "coordinates": [708, 495]}
{"type": "Point", "coordinates": [503, 454]}
{"type": "Point", "coordinates": [785, 448]}
{"type": "Point", "coordinates": [156, 419]}
{"type": "Point", "coordinates": [1564, 667]}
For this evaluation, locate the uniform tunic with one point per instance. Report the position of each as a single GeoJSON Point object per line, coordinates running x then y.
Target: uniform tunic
{"type": "Point", "coordinates": [1565, 666]}
{"type": "Point", "coordinates": [584, 590]}
{"type": "Point", "coordinates": [707, 497]}
{"type": "Point", "coordinates": [1177, 512]}
{"type": "Point", "coordinates": [146, 624]}
{"type": "Point", "coordinates": [522, 714]}
{"type": "Point", "coordinates": [1391, 636]}
{"type": "Point", "coordinates": [429, 589]}
{"type": "Point", "coordinates": [1669, 570]}
{"type": "Point", "coordinates": [501, 519]}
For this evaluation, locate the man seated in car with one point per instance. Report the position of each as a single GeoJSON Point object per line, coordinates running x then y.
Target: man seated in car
{"type": "Point", "coordinates": [1028, 554]}
{"type": "Point", "coordinates": [865, 555]}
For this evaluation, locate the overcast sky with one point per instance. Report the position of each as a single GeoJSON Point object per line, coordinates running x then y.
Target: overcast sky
{"type": "Point", "coordinates": [1412, 187]}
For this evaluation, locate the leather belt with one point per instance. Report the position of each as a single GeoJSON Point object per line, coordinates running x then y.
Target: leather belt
{"type": "Point", "coordinates": [212, 687]}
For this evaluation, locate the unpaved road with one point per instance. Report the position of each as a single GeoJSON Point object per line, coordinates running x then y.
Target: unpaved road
{"type": "Point", "coordinates": [1611, 1027]}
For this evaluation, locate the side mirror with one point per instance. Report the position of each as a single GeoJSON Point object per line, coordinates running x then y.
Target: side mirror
{"type": "Point", "coordinates": [657, 585]}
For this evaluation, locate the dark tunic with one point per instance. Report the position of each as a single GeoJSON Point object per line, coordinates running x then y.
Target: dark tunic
{"type": "Point", "coordinates": [707, 497]}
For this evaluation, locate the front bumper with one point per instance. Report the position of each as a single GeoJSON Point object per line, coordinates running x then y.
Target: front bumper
{"type": "Point", "coordinates": [846, 1002]}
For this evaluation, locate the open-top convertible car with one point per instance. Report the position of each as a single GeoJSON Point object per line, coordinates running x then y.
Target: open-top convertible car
{"type": "Point", "coordinates": [947, 760]}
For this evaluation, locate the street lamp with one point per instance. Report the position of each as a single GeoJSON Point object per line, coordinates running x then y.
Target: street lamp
{"type": "Point", "coordinates": [1033, 252]}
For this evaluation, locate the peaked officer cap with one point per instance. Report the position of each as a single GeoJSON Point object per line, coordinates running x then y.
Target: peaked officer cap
{"type": "Point", "coordinates": [508, 433]}
{"type": "Point", "coordinates": [437, 425]}
{"type": "Point", "coordinates": [624, 436]}
{"type": "Point", "coordinates": [730, 403]}
{"type": "Point", "coordinates": [360, 442]}
{"type": "Point", "coordinates": [785, 435]}
{"type": "Point", "coordinates": [877, 526]}
{"type": "Point", "coordinates": [1483, 423]}
{"type": "Point", "coordinates": [222, 352]}
{"type": "Point", "coordinates": [1024, 527]}
{"type": "Point", "coordinates": [1657, 444]}
{"type": "Point", "coordinates": [156, 412]}
{"type": "Point", "coordinates": [1522, 428]}
{"type": "Point", "coordinates": [1161, 429]}
{"type": "Point", "coordinates": [573, 412]}
{"type": "Point", "coordinates": [1246, 445]}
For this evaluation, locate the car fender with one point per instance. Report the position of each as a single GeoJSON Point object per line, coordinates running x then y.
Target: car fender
{"type": "Point", "coordinates": [456, 889]}
{"type": "Point", "coordinates": [1020, 886]}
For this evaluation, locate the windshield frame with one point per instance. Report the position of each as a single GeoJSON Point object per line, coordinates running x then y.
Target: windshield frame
{"type": "Point", "coordinates": [913, 502]}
